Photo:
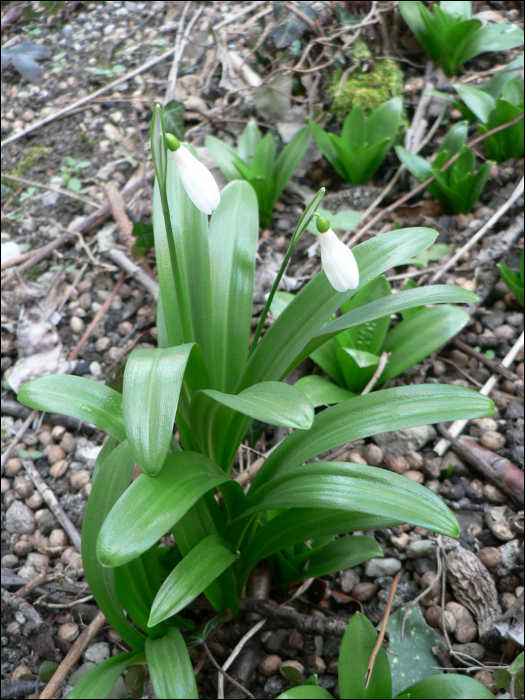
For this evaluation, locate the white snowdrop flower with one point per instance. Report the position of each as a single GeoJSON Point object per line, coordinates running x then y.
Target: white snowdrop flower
{"type": "Point", "coordinates": [337, 259]}
{"type": "Point", "coordinates": [197, 180]}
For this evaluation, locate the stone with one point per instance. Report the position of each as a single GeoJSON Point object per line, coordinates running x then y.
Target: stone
{"type": "Point", "coordinates": [449, 620]}
{"type": "Point", "coordinates": [274, 685]}
{"type": "Point", "coordinates": [490, 556]}
{"type": "Point", "coordinates": [406, 440]}
{"type": "Point", "coordinates": [459, 358]}
{"type": "Point", "coordinates": [28, 572]}
{"type": "Point", "coordinates": [509, 558]}
{"type": "Point", "coordinates": [418, 477]}
{"type": "Point", "coordinates": [79, 479]}
{"type": "Point", "coordinates": [45, 437]}
{"type": "Point", "coordinates": [319, 665]}
{"type": "Point", "coordinates": [292, 670]}
{"type": "Point", "coordinates": [484, 677]}
{"type": "Point", "coordinates": [95, 368]}
{"type": "Point", "coordinates": [69, 631]}
{"type": "Point", "coordinates": [400, 541]}
{"type": "Point", "coordinates": [414, 460]}
{"type": "Point", "coordinates": [13, 466]}
{"type": "Point", "coordinates": [466, 629]}
{"type": "Point", "coordinates": [9, 561]}
{"type": "Point", "coordinates": [87, 452]}
{"type": "Point", "coordinates": [20, 671]}
{"type": "Point", "coordinates": [514, 410]}
{"type": "Point", "coordinates": [295, 640]}
{"type": "Point", "coordinates": [270, 664]}
{"type": "Point", "coordinates": [103, 344]}
{"type": "Point", "coordinates": [23, 486]}
{"type": "Point", "coordinates": [452, 462]}
{"type": "Point", "coordinates": [505, 331]}
{"type": "Point", "coordinates": [373, 455]}
{"type": "Point", "coordinates": [46, 522]}
{"type": "Point", "coordinates": [6, 484]}
{"type": "Point", "coordinates": [58, 538]}
{"type": "Point", "coordinates": [356, 458]}
{"type": "Point", "coordinates": [58, 469]}
{"type": "Point", "coordinates": [438, 368]}
{"type": "Point", "coordinates": [19, 518]}
{"type": "Point", "coordinates": [77, 325]}
{"type": "Point", "coordinates": [23, 547]}
{"type": "Point", "coordinates": [58, 432]}
{"type": "Point", "coordinates": [34, 501]}
{"type": "Point", "coordinates": [97, 652]}
{"type": "Point", "coordinates": [275, 640]}
{"type": "Point", "coordinates": [348, 580]}
{"type": "Point", "coordinates": [429, 579]}
{"type": "Point", "coordinates": [492, 440]}
{"type": "Point", "coordinates": [55, 454]}
{"type": "Point", "coordinates": [124, 328]}
{"type": "Point", "coordinates": [40, 562]}
{"type": "Point", "coordinates": [473, 649]}
{"type": "Point", "coordinates": [421, 548]}
{"type": "Point", "coordinates": [68, 442]}
{"type": "Point", "coordinates": [493, 494]}
{"type": "Point", "coordinates": [395, 463]}
{"type": "Point", "coordinates": [478, 426]}
{"type": "Point", "coordinates": [507, 600]}
{"type": "Point", "coordinates": [365, 590]}
{"type": "Point", "coordinates": [382, 567]}
{"type": "Point", "coordinates": [9, 497]}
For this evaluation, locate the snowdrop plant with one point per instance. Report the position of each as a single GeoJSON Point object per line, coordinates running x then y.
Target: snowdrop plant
{"type": "Point", "coordinates": [185, 409]}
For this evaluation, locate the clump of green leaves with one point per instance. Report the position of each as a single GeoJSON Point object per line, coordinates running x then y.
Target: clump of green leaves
{"type": "Point", "coordinates": [356, 647]}
{"type": "Point", "coordinates": [187, 405]}
{"type": "Point", "coordinates": [255, 162]}
{"type": "Point", "coordinates": [351, 357]}
{"type": "Point", "coordinates": [71, 172]}
{"type": "Point", "coordinates": [460, 185]}
{"type": "Point", "coordinates": [364, 141]}
{"type": "Point", "coordinates": [451, 36]}
{"type": "Point", "coordinates": [512, 280]}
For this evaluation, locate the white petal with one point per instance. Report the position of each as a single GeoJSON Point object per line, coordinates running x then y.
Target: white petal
{"type": "Point", "coordinates": [198, 182]}
{"type": "Point", "coordinates": [338, 262]}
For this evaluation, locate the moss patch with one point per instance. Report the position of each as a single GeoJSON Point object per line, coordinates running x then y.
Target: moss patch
{"type": "Point", "coordinates": [369, 89]}
{"type": "Point", "coordinates": [32, 155]}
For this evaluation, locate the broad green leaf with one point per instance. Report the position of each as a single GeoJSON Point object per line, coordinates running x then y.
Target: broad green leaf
{"type": "Point", "coordinates": [479, 181]}
{"type": "Point", "coordinates": [98, 681]}
{"type": "Point", "coordinates": [297, 525]}
{"type": "Point", "coordinates": [358, 367]}
{"type": "Point", "coordinates": [411, 657]}
{"type": "Point", "coordinates": [447, 686]}
{"type": "Point", "coordinates": [432, 327]}
{"type": "Point", "coordinates": [321, 390]}
{"type": "Point", "coordinates": [454, 139]}
{"type": "Point", "coordinates": [289, 159]}
{"type": "Point", "coordinates": [270, 402]}
{"type": "Point", "coordinates": [407, 299]}
{"type": "Point", "coordinates": [327, 148]}
{"type": "Point", "coordinates": [78, 397]}
{"type": "Point", "coordinates": [326, 358]}
{"type": "Point", "coordinates": [370, 335]}
{"type": "Point", "coordinates": [250, 137]}
{"type": "Point", "coordinates": [280, 302]}
{"type": "Point", "coordinates": [151, 506]}
{"type": "Point", "coordinates": [344, 220]}
{"type": "Point", "coordinates": [188, 579]}
{"type": "Point", "coordinates": [317, 301]}
{"type": "Point", "coordinates": [415, 164]}
{"type": "Point", "coordinates": [493, 37]}
{"type": "Point", "coordinates": [377, 412]}
{"type": "Point", "coordinates": [170, 666]}
{"type": "Point", "coordinates": [113, 473]}
{"type": "Point", "coordinates": [315, 692]}
{"type": "Point", "coordinates": [358, 641]}
{"type": "Point", "coordinates": [234, 230]}
{"type": "Point", "coordinates": [354, 487]}
{"type": "Point", "coordinates": [152, 384]}
{"type": "Point", "coordinates": [224, 156]}
{"type": "Point", "coordinates": [343, 553]}
{"type": "Point", "coordinates": [263, 158]}
{"type": "Point", "coordinates": [354, 129]}
{"type": "Point", "coordinates": [463, 8]}
{"type": "Point", "coordinates": [384, 121]}
{"type": "Point", "coordinates": [478, 101]}
{"type": "Point", "coordinates": [513, 92]}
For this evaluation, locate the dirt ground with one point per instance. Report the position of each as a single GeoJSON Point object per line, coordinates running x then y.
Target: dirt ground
{"type": "Point", "coordinates": [58, 178]}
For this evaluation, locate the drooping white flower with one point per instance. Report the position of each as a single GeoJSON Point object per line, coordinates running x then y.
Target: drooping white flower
{"type": "Point", "coordinates": [197, 180]}
{"type": "Point", "coordinates": [337, 259]}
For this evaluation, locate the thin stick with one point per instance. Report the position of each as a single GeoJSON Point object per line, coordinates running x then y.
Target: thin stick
{"type": "Point", "coordinates": [35, 583]}
{"type": "Point", "coordinates": [16, 261]}
{"type": "Point", "coordinates": [58, 190]}
{"type": "Point", "coordinates": [458, 426]}
{"type": "Point", "coordinates": [223, 673]}
{"type": "Point", "coordinates": [23, 606]}
{"type": "Point", "coordinates": [94, 323]}
{"type": "Point", "coordinates": [483, 230]}
{"type": "Point", "coordinates": [72, 656]}
{"type": "Point", "coordinates": [382, 631]}
{"type": "Point", "coordinates": [14, 442]}
{"type": "Point", "coordinates": [122, 260]}
{"type": "Point", "coordinates": [85, 100]}
{"type": "Point", "coordinates": [252, 6]}
{"type": "Point", "coordinates": [52, 501]}
{"type": "Point", "coordinates": [180, 45]}
{"type": "Point", "coordinates": [494, 366]}
{"type": "Point", "coordinates": [379, 371]}
{"type": "Point", "coordinates": [118, 209]}
{"type": "Point", "coordinates": [420, 596]}
{"type": "Point", "coordinates": [235, 653]}
{"type": "Point", "coordinates": [68, 605]}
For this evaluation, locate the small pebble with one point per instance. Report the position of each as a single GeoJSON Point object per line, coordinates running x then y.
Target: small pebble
{"type": "Point", "coordinates": [427, 579]}
{"type": "Point", "coordinates": [449, 620]}
{"type": "Point", "coordinates": [95, 368]}
{"type": "Point", "coordinates": [23, 486]}
{"type": "Point", "coordinates": [466, 629]}
{"type": "Point", "coordinates": [492, 440]}
{"type": "Point", "coordinates": [418, 477]}
{"type": "Point", "coordinates": [58, 469]}
{"type": "Point", "coordinates": [23, 547]}
{"type": "Point", "coordinates": [506, 599]}
{"type": "Point", "coordinates": [421, 548]}
{"type": "Point", "coordinates": [85, 286]}
{"type": "Point", "coordinates": [77, 325]}
{"type": "Point", "coordinates": [382, 567]}
{"type": "Point", "coordinates": [9, 497]}
{"type": "Point", "coordinates": [13, 466]}
{"type": "Point", "coordinates": [432, 615]}
{"type": "Point", "coordinates": [356, 458]}
{"type": "Point", "coordinates": [20, 671]}
{"type": "Point", "coordinates": [58, 538]}
{"type": "Point", "coordinates": [479, 426]}
{"type": "Point", "coordinates": [79, 479]}
{"type": "Point", "coordinates": [400, 541]}
{"type": "Point", "coordinates": [373, 455]}
{"type": "Point", "coordinates": [55, 454]}
{"type": "Point", "coordinates": [438, 368]}
{"type": "Point", "coordinates": [501, 531]}
{"type": "Point", "coordinates": [40, 562]}
{"type": "Point", "coordinates": [9, 561]}
{"type": "Point", "coordinates": [477, 651]}
{"type": "Point", "coordinates": [69, 631]}
{"type": "Point", "coordinates": [290, 669]}
{"type": "Point", "coordinates": [505, 331]}
{"type": "Point", "coordinates": [112, 354]}
{"type": "Point", "coordinates": [319, 665]}
{"type": "Point", "coordinates": [124, 328]}
{"type": "Point", "coordinates": [365, 590]}
{"type": "Point", "coordinates": [58, 432]}
{"type": "Point", "coordinates": [68, 443]}
{"type": "Point", "coordinates": [432, 468]}
{"type": "Point", "coordinates": [484, 677]}
{"type": "Point", "coordinates": [103, 344]}
{"type": "Point", "coordinates": [97, 652]}
{"type": "Point", "coordinates": [85, 491]}
{"type": "Point", "coordinates": [395, 463]}
{"type": "Point", "coordinates": [493, 494]}
{"type": "Point", "coordinates": [6, 484]}
{"type": "Point", "coordinates": [455, 464]}
{"type": "Point", "coordinates": [14, 628]}
{"type": "Point", "coordinates": [19, 518]}
{"type": "Point", "coordinates": [34, 501]}
{"type": "Point", "coordinates": [414, 460]}
{"type": "Point", "coordinates": [348, 580]}
{"type": "Point", "coordinates": [459, 358]}
{"type": "Point", "coordinates": [86, 300]}
{"type": "Point", "coordinates": [67, 554]}
{"type": "Point", "coordinates": [45, 437]}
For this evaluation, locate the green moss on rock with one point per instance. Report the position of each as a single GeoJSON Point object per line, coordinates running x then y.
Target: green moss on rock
{"type": "Point", "coordinates": [31, 156]}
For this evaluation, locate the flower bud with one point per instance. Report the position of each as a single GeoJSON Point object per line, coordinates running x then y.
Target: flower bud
{"type": "Point", "coordinates": [197, 180]}
{"type": "Point", "coordinates": [338, 260]}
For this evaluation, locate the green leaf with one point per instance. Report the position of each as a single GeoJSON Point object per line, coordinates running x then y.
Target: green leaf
{"type": "Point", "coordinates": [98, 681]}
{"type": "Point", "coordinates": [463, 8]}
{"type": "Point", "coordinates": [415, 164]}
{"type": "Point", "coordinates": [321, 390]}
{"type": "Point", "coordinates": [78, 397]}
{"type": "Point", "coordinates": [454, 139]}
{"type": "Point", "coordinates": [315, 692]}
{"type": "Point", "coordinates": [358, 641]}
{"type": "Point", "coordinates": [354, 487]}
{"type": "Point", "coordinates": [170, 666]}
{"type": "Point", "coordinates": [289, 159]}
{"type": "Point", "coordinates": [447, 686]}
{"type": "Point", "coordinates": [431, 326]}
{"type": "Point", "coordinates": [234, 231]}
{"type": "Point", "coordinates": [263, 158]}
{"type": "Point", "coordinates": [270, 402]}
{"type": "Point", "coordinates": [368, 336]}
{"type": "Point", "coordinates": [513, 282]}
{"type": "Point", "coordinates": [110, 479]}
{"type": "Point", "coordinates": [354, 129]}
{"type": "Point", "coordinates": [493, 37]}
{"type": "Point", "coordinates": [224, 156]}
{"type": "Point", "coordinates": [209, 628]}
{"type": "Point", "coordinates": [151, 506]}
{"type": "Point", "coordinates": [478, 101]}
{"type": "Point", "coordinates": [249, 140]}
{"type": "Point", "coordinates": [326, 358]}
{"type": "Point", "coordinates": [152, 384]}
{"type": "Point", "coordinates": [188, 579]}
{"type": "Point", "coordinates": [343, 553]}
{"type": "Point", "coordinates": [358, 367]}
{"type": "Point", "coordinates": [158, 146]}
{"type": "Point", "coordinates": [280, 302]}
{"type": "Point", "coordinates": [377, 412]}
{"type": "Point", "coordinates": [411, 657]}
{"type": "Point", "coordinates": [344, 220]}
{"type": "Point", "coordinates": [327, 148]}
{"type": "Point", "coordinates": [174, 119]}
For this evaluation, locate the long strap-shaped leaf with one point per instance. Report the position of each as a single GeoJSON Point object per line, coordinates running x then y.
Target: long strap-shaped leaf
{"type": "Point", "coordinates": [78, 397]}
{"type": "Point", "coordinates": [234, 229]}
{"type": "Point", "coordinates": [152, 384]}
{"type": "Point", "coordinates": [151, 506]}
{"type": "Point", "coordinates": [378, 412]}
{"type": "Point", "coordinates": [355, 487]}
{"type": "Point", "coordinates": [170, 666]}
{"type": "Point", "coordinates": [98, 682]}
{"type": "Point", "coordinates": [317, 301]}
{"type": "Point", "coordinates": [113, 472]}
{"type": "Point", "coordinates": [188, 579]}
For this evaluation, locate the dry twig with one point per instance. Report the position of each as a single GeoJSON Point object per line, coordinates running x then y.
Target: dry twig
{"type": "Point", "coordinates": [23, 606]}
{"type": "Point", "coordinates": [379, 371]}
